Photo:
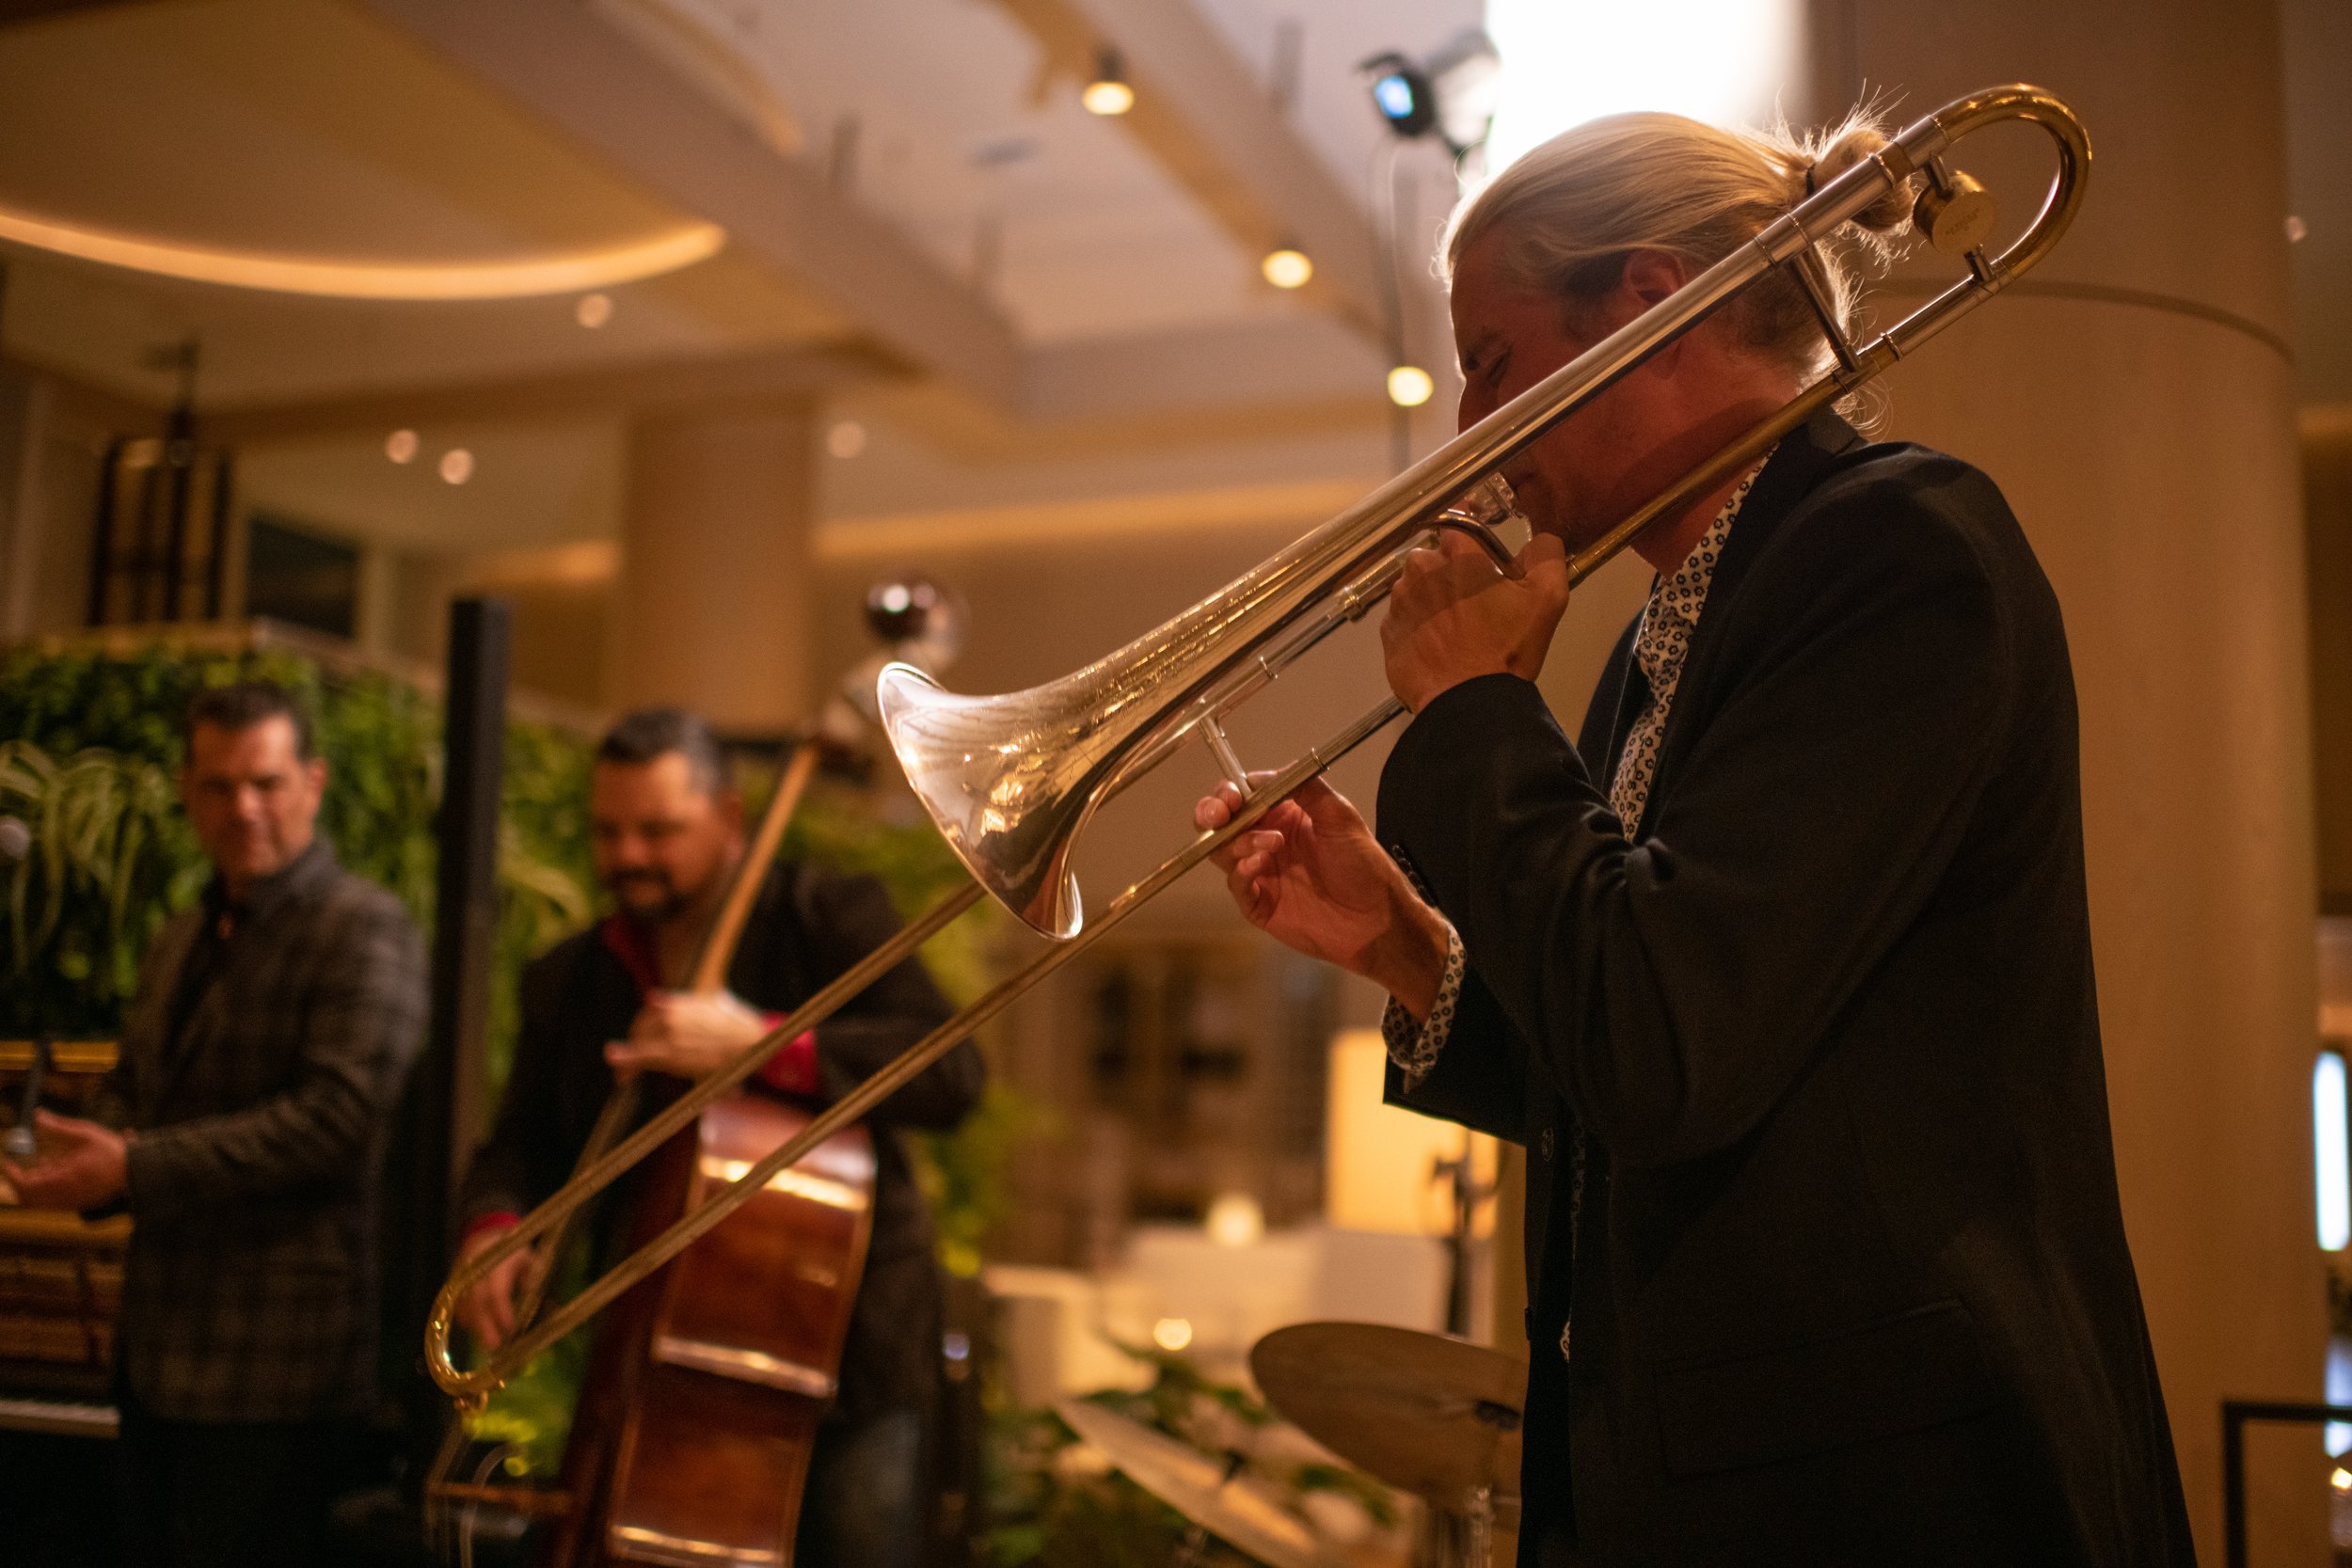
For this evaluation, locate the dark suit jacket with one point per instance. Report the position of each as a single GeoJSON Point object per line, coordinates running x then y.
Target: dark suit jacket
{"type": "Point", "coordinates": [807, 927]}
{"type": "Point", "coordinates": [249, 1292]}
{"type": "Point", "coordinates": [1852, 1275]}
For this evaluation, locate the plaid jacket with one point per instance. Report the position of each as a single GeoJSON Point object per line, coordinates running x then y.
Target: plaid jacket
{"type": "Point", "coordinates": [249, 1294]}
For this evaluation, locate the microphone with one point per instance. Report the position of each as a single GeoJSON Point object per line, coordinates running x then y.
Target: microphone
{"type": "Point", "coordinates": [16, 839]}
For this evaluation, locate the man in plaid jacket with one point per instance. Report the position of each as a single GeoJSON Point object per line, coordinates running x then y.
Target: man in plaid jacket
{"type": "Point", "coordinates": [243, 1130]}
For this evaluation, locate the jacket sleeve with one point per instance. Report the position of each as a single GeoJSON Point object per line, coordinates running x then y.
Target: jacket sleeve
{"type": "Point", "coordinates": [846, 918]}
{"type": "Point", "coordinates": [363, 1018]}
{"type": "Point", "coordinates": [1674, 989]}
{"type": "Point", "coordinates": [1479, 1078]}
{"type": "Point", "coordinates": [523, 1160]}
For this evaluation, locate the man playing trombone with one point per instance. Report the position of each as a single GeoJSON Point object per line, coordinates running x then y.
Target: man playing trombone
{"type": "Point", "coordinates": [1781, 972]}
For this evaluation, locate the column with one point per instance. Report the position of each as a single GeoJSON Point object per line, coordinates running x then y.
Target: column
{"type": "Point", "coordinates": [714, 594]}
{"type": "Point", "coordinates": [2133, 398]}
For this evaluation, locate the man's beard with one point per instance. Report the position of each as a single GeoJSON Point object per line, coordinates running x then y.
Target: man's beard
{"type": "Point", "coordinates": [666, 904]}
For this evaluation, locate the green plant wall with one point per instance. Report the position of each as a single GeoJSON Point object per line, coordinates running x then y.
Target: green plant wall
{"type": "Point", "coordinates": [92, 745]}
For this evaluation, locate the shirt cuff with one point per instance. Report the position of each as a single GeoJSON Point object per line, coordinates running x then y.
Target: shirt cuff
{"type": "Point", "coordinates": [1413, 1046]}
{"type": "Point", "coordinates": [793, 1069]}
{"type": "Point", "coordinates": [499, 1219]}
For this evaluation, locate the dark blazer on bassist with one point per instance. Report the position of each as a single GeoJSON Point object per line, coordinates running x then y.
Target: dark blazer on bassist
{"type": "Point", "coordinates": [1848, 1274]}
{"type": "Point", "coordinates": [806, 926]}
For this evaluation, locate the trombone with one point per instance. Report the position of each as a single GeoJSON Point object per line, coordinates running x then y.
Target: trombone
{"type": "Point", "coordinates": [1011, 781]}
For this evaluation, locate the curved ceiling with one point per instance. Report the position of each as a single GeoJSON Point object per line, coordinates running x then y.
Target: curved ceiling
{"type": "Point", "coordinates": [290, 129]}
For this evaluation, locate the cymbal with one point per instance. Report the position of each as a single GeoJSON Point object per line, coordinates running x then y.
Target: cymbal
{"type": "Point", "coordinates": [1439, 1418]}
{"type": "Point", "coordinates": [1237, 1510]}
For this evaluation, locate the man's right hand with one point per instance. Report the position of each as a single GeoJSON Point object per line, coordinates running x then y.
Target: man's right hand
{"type": "Point", "coordinates": [488, 1310]}
{"type": "Point", "coordinates": [1311, 876]}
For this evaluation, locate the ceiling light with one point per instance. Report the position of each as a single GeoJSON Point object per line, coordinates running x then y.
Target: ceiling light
{"type": "Point", "coordinates": [846, 440]}
{"type": "Point", "coordinates": [1453, 92]}
{"type": "Point", "coordinates": [1108, 93]}
{"type": "Point", "coordinates": [1171, 1334]}
{"type": "Point", "coordinates": [593, 310]}
{"type": "Point", "coordinates": [456, 465]}
{"type": "Point", "coordinates": [1286, 267]}
{"type": "Point", "coordinates": [1409, 386]}
{"type": "Point", "coordinates": [558, 272]}
{"type": "Point", "coordinates": [401, 446]}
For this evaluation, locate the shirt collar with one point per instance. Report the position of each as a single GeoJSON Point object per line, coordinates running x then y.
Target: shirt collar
{"type": "Point", "coordinates": [293, 880]}
{"type": "Point", "coordinates": [1684, 593]}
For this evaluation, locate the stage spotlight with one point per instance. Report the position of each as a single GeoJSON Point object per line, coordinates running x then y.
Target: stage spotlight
{"type": "Point", "coordinates": [1409, 386]}
{"type": "Point", "coordinates": [1287, 267]}
{"type": "Point", "coordinates": [456, 465]}
{"type": "Point", "coordinates": [1108, 93]}
{"type": "Point", "coordinates": [1405, 96]}
{"type": "Point", "coordinates": [1453, 92]}
{"type": "Point", "coordinates": [401, 446]}
{"type": "Point", "coordinates": [593, 311]}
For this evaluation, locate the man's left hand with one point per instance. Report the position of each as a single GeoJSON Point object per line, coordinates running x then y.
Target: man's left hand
{"type": "Point", "coordinates": [1452, 617]}
{"type": "Point", "coordinates": [685, 1035]}
{"type": "Point", "coordinates": [82, 1164]}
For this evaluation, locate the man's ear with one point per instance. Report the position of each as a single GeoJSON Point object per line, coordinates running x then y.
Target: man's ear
{"type": "Point", "coordinates": [1650, 275]}
{"type": "Point", "coordinates": [315, 770]}
{"type": "Point", "coordinates": [730, 803]}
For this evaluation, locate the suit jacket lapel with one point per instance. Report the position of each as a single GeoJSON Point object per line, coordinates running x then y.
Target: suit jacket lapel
{"type": "Point", "coordinates": [1804, 456]}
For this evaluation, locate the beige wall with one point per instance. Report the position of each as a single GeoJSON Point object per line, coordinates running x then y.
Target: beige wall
{"type": "Point", "coordinates": [2141, 423]}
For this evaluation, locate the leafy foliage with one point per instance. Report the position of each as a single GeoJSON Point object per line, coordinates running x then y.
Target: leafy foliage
{"type": "Point", "coordinates": [114, 857]}
{"type": "Point", "coordinates": [1054, 1503]}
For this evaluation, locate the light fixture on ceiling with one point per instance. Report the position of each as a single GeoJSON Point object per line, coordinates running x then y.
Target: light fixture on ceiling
{"type": "Point", "coordinates": [456, 465]}
{"type": "Point", "coordinates": [1453, 92]}
{"type": "Point", "coordinates": [846, 440]}
{"type": "Point", "coordinates": [1409, 386]}
{"type": "Point", "coordinates": [593, 310]}
{"type": "Point", "coordinates": [557, 273]}
{"type": "Point", "coordinates": [1286, 266]}
{"type": "Point", "coordinates": [1108, 93]}
{"type": "Point", "coordinates": [401, 446]}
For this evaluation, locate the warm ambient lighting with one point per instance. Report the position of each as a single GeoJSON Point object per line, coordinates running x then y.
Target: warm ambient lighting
{"type": "Point", "coordinates": [456, 465]}
{"type": "Point", "coordinates": [846, 440]}
{"type": "Point", "coordinates": [593, 310]}
{"type": "Point", "coordinates": [1235, 1220]}
{"type": "Point", "coordinates": [1171, 1334]}
{"type": "Point", "coordinates": [401, 446]}
{"type": "Point", "coordinates": [1108, 93]}
{"type": "Point", "coordinates": [1409, 386]}
{"type": "Point", "coordinates": [565, 272]}
{"type": "Point", "coordinates": [1287, 267]}
{"type": "Point", "coordinates": [2331, 1148]}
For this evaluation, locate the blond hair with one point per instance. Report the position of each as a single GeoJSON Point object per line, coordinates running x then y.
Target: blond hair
{"type": "Point", "coordinates": [1574, 207]}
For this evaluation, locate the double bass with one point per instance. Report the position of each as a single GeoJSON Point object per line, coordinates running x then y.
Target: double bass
{"type": "Point", "coordinates": [698, 1415]}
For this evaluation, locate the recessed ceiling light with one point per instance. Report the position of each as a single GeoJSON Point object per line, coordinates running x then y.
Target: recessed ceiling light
{"type": "Point", "coordinates": [1409, 386]}
{"type": "Point", "coordinates": [593, 310]}
{"type": "Point", "coordinates": [846, 440]}
{"type": "Point", "coordinates": [456, 465]}
{"type": "Point", "coordinates": [1108, 93]}
{"type": "Point", "coordinates": [1287, 267]}
{"type": "Point", "coordinates": [401, 446]}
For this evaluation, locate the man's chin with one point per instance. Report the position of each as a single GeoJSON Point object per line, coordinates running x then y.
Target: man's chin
{"type": "Point", "coordinates": [647, 912]}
